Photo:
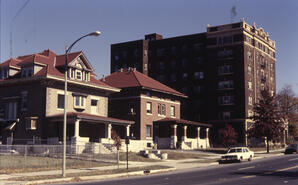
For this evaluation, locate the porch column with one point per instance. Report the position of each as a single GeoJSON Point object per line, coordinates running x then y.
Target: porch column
{"type": "Point", "coordinates": [184, 137]}
{"type": "Point", "coordinates": [108, 131]}
{"type": "Point", "coordinates": [127, 130]}
{"type": "Point", "coordinates": [77, 128]}
{"type": "Point", "coordinates": [173, 137]}
{"type": "Point", "coordinates": [198, 137]}
{"type": "Point", "coordinates": [284, 137]}
{"type": "Point", "coordinates": [207, 138]}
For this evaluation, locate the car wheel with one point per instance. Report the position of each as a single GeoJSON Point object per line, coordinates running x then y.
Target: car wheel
{"type": "Point", "coordinates": [241, 159]}
{"type": "Point", "coordinates": [250, 158]}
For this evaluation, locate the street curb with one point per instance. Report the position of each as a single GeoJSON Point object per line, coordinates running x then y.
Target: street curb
{"type": "Point", "coordinates": [99, 177]}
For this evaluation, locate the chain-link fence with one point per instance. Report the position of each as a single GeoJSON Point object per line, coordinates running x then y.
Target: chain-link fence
{"type": "Point", "coordinates": [50, 156]}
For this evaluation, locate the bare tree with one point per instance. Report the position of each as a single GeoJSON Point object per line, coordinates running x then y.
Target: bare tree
{"type": "Point", "coordinates": [287, 104]}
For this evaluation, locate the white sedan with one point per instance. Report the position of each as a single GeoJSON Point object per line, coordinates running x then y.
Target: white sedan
{"type": "Point", "coordinates": [238, 154]}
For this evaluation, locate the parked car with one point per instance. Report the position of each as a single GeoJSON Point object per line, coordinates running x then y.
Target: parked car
{"type": "Point", "coordinates": [292, 148]}
{"type": "Point", "coordinates": [238, 154]}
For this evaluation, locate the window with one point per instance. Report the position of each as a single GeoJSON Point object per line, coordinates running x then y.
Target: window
{"type": "Point", "coordinates": [199, 75]}
{"type": "Point", "coordinates": [249, 70]}
{"type": "Point", "coordinates": [60, 101]}
{"type": "Point", "coordinates": [94, 102]}
{"type": "Point", "coordinates": [173, 77]}
{"type": "Point", "coordinates": [72, 73]}
{"type": "Point", "coordinates": [5, 74]}
{"type": "Point", "coordinates": [79, 75]}
{"type": "Point", "coordinates": [24, 100]}
{"type": "Point", "coordinates": [250, 85]}
{"type": "Point", "coordinates": [226, 115]}
{"type": "Point", "coordinates": [31, 123]}
{"type": "Point", "coordinates": [249, 100]}
{"type": "Point", "coordinates": [225, 69]}
{"type": "Point", "coordinates": [148, 130]}
{"type": "Point", "coordinates": [161, 109]}
{"type": "Point", "coordinates": [225, 53]}
{"type": "Point", "coordinates": [184, 76]}
{"type": "Point", "coordinates": [172, 111]}
{"type": "Point", "coordinates": [226, 100]}
{"type": "Point", "coordinates": [79, 102]}
{"type": "Point", "coordinates": [249, 56]}
{"type": "Point", "coordinates": [29, 72]}
{"type": "Point", "coordinates": [197, 89]}
{"type": "Point", "coordinates": [250, 113]}
{"type": "Point", "coordinates": [226, 84]}
{"type": "Point", "coordinates": [149, 107]}
{"type": "Point", "coordinates": [26, 72]}
{"type": "Point", "coordinates": [0, 74]}
{"type": "Point", "coordinates": [161, 65]}
{"type": "Point", "coordinates": [12, 111]}
{"type": "Point", "coordinates": [173, 64]}
{"type": "Point", "coordinates": [184, 63]}
{"type": "Point", "coordinates": [94, 107]}
{"type": "Point", "coordinates": [224, 40]}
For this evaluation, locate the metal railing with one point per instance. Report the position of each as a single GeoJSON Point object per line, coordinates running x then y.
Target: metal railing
{"type": "Point", "coordinates": [50, 156]}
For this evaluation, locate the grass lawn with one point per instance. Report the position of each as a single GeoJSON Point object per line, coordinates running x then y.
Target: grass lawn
{"type": "Point", "coordinates": [132, 156]}
{"type": "Point", "coordinates": [16, 163]}
{"type": "Point", "coordinates": [177, 155]}
{"type": "Point", "coordinates": [89, 173]}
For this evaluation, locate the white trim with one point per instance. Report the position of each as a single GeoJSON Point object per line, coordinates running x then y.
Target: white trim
{"type": "Point", "coordinates": [146, 97]}
{"type": "Point", "coordinates": [85, 84]}
{"type": "Point", "coordinates": [160, 100]}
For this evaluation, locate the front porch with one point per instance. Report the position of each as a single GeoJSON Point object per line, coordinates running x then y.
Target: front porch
{"type": "Point", "coordinates": [181, 134]}
{"type": "Point", "coordinates": [87, 132]}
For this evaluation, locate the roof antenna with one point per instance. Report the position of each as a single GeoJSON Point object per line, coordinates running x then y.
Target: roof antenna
{"type": "Point", "coordinates": [233, 13]}
{"type": "Point", "coordinates": [13, 19]}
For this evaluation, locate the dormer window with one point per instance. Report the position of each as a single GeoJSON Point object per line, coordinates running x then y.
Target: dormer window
{"type": "Point", "coordinates": [71, 73]}
{"type": "Point", "coordinates": [27, 72]}
{"type": "Point", "coordinates": [79, 74]}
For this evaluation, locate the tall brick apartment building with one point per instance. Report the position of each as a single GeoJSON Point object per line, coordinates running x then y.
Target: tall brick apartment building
{"type": "Point", "coordinates": [221, 70]}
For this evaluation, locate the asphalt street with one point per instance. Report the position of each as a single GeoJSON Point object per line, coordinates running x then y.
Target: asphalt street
{"type": "Point", "coordinates": [272, 171]}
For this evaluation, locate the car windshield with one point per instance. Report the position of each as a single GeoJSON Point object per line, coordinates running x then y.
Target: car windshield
{"type": "Point", "coordinates": [234, 150]}
{"type": "Point", "coordinates": [293, 145]}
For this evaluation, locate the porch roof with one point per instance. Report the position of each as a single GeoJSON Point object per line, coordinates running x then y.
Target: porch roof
{"type": "Point", "coordinates": [181, 121]}
{"type": "Point", "coordinates": [90, 117]}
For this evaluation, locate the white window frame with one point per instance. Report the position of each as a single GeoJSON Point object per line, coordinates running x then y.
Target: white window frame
{"type": "Point", "coordinates": [82, 102]}
{"type": "Point", "coordinates": [173, 111]}
{"type": "Point", "coordinates": [149, 108]}
{"type": "Point", "coordinates": [150, 131]}
{"type": "Point", "coordinates": [31, 123]}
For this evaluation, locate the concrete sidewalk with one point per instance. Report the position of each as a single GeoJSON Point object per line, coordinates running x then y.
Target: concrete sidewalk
{"type": "Point", "coordinates": [174, 164]}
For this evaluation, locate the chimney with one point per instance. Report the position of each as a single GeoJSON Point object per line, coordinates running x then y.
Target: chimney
{"type": "Point", "coordinates": [103, 78]}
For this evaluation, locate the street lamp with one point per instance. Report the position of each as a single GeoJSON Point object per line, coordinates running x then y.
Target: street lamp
{"type": "Point", "coordinates": [67, 50]}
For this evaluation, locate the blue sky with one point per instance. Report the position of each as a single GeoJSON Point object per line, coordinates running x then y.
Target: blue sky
{"type": "Point", "coordinates": [55, 24]}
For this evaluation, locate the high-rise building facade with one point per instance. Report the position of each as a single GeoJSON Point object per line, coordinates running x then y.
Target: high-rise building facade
{"type": "Point", "coordinates": [221, 70]}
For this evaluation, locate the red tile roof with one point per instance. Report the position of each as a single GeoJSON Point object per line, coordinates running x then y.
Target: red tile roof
{"type": "Point", "coordinates": [132, 78]}
{"type": "Point", "coordinates": [11, 62]}
{"type": "Point", "coordinates": [85, 116]}
{"type": "Point", "coordinates": [52, 62]}
{"type": "Point", "coordinates": [60, 60]}
{"type": "Point", "coordinates": [181, 121]}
